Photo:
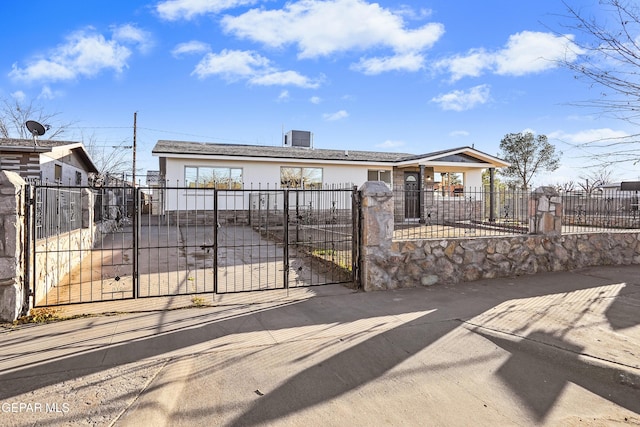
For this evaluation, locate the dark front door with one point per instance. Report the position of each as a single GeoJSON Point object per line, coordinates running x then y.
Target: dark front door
{"type": "Point", "coordinates": [411, 195]}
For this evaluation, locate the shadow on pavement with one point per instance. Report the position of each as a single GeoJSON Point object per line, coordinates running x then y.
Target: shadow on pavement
{"type": "Point", "coordinates": [537, 377]}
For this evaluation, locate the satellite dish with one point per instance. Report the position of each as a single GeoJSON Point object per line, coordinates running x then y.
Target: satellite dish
{"type": "Point", "coordinates": [36, 129]}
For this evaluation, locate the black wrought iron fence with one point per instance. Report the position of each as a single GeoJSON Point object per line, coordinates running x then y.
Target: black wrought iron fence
{"type": "Point", "coordinates": [467, 213]}
{"type": "Point", "coordinates": [58, 210]}
{"type": "Point", "coordinates": [600, 212]}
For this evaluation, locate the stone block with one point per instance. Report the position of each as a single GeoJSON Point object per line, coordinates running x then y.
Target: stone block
{"type": "Point", "coordinates": [429, 280]}
{"type": "Point", "coordinates": [8, 267]}
{"type": "Point", "coordinates": [9, 237]}
{"type": "Point", "coordinates": [11, 297]}
{"type": "Point", "coordinates": [543, 204]}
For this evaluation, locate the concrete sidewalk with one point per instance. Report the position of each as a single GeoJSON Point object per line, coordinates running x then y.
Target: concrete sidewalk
{"type": "Point", "coordinates": [550, 349]}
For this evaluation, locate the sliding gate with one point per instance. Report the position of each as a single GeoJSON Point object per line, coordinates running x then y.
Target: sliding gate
{"type": "Point", "coordinates": [182, 241]}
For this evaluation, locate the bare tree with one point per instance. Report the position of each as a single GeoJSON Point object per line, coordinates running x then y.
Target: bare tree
{"type": "Point", "coordinates": [566, 187]}
{"type": "Point", "coordinates": [109, 159]}
{"type": "Point", "coordinates": [609, 59]}
{"type": "Point", "coordinates": [593, 180]}
{"type": "Point", "coordinates": [14, 114]}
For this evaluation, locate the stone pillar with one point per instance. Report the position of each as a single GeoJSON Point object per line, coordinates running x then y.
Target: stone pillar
{"type": "Point", "coordinates": [377, 228]}
{"type": "Point", "coordinates": [545, 212]}
{"type": "Point", "coordinates": [12, 235]}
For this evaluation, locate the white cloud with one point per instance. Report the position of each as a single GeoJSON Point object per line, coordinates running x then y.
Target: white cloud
{"type": "Point", "coordinates": [234, 65]}
{"type": "Point", "coordinates": [130, 34]}
{"type": "Point", "coordinates": [532, 52]}
{"type": "Point", "coordinates": [457, 133]}
{"type": "Point", "coordinates": [402, 62]}
{"type": "Point", "coordinates": [391, 144]}
{"type": "Point", "coordinates": [189, 48]}
{"type": "Point", "coordinates": [173, 10]}
{"type": "Point", "coordinates": [84, 54]}
{"type": "Point", "coordinates": [472, 64]}
{"type": "Point", "coordinates": [47, 93]}
{"type": "Point", "coordinates": [600, 136]}
{"type": "Point", "coordinates": [338, 115]}
{"type": "Point", "coordinates": [284, 78]}
{"type": "Point", "coordinates": [524, 53]}
{"type": "Point", "coordinates": [321, 28]}
{"type": "Point", "coordinates": [459, 100]}
{"type": "Point", "coordinates": [315, 100]}
{"type": "Point", "coordinates": [19, 95]}
{"type": "Point", "coordinates": [284, 96]}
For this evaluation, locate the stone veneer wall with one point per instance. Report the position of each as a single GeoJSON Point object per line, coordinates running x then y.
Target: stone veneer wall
{"type": "Point", "coordinates": [389, 264]}
{"type": "Point", "coordinates": [12, 234]}
{"type": "Point", "coordinates": [428, 262]}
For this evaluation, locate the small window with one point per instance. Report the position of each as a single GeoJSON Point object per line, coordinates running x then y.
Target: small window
{"type": "Point", "coordinates": [78, 178]}
{"type": "Point", "coordinates": [379, 175]}
{"type": "Point", "coordinates": [57, 173]}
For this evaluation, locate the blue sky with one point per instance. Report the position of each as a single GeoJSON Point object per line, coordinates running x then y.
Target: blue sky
{"type": "Point", "coordinates": [407, 76]}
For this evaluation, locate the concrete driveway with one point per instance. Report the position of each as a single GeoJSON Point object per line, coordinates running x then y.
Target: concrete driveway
{"type": "Point", "coordinates": [552, 349]}
{"type": "Point", "coordinates": [176, 260]}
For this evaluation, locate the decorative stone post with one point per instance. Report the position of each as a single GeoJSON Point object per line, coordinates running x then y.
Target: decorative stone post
{"type": "Point", "coordinates": [377, 218]}
{"type": "Point", "coordinates": [545, 212]}
{"type": "Point", "coordinates": [12, 235]}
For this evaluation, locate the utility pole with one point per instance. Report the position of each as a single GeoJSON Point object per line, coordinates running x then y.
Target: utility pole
{"type": "Point", "coordinates": [135, 117]}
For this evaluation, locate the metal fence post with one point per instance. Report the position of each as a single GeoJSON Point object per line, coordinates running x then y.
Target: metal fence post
{"type": "Point", "coordinates": [286, 238]}
{"type": "Point", "coordinates": [356, 236]}
{"type": "Point", "coordinates": [215, 240]}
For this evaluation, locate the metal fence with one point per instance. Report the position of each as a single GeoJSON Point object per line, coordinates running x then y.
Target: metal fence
{"type": "Point", "coordinates": [475, 213]}
{"type": "Point", "coordinates": [423, 214]}
{"type": "Point", "coordinates": [583, 212]}
{"type": "Point", "coordinates": [199, 240]}
{"type": "Point", "coordinates": [58, 210]}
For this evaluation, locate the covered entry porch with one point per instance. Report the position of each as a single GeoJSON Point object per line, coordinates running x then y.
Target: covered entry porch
{"type": "Point", "coordinates": [443, 178]}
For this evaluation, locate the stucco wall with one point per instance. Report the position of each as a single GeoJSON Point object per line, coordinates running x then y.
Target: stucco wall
{"type": "Point", "coordinates": [57, 257]}
{"type": "Point", "coordinates": [256, 176]}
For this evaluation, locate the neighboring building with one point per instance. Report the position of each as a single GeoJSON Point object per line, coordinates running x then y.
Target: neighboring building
{"type": "Point", "coordinates": [299, 165]}
{"type": "Point", "coordinates": [620, 188]}
{"type": "Point", "coordinates": [61, 162]}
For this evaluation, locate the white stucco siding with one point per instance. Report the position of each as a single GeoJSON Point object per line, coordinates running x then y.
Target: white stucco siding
{"type": "Point", "coordinates": [47, 168]}
{"type": "Point", "coordinates": [473, 180]}
{"type": "Point", "coordinates": [258, 176]}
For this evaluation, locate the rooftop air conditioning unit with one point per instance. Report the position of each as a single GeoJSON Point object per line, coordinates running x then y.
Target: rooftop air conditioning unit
{"type": "Point", "coordinates": [298, 138]}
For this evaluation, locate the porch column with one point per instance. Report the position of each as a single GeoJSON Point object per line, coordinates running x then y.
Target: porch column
{"type": "Point", "coordinates": [421, 203]}
{"type": "Point", "coordinates": [492, 196]}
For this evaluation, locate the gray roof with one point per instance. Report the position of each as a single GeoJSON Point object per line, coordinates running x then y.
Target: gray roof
{"type": "Point", "coordinates": [46, 145]}
{"type": "Point", "coordinates": [15, 142]}
{"type": "Point", "coordinates": [240, 150]}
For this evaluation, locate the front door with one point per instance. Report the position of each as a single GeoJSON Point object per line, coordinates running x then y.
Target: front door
{"type": "Point", "coordinates": [411, 195]}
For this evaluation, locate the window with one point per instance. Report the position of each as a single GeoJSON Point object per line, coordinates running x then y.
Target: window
{"type": "Point", "coordinates": [300, 177]}
{"type": "Point", "coordinates": [213, 177]}
{"type": "Point", "coordinates": [78, 178]}
{"type": "Point", "coordinates": [379, 175]}
{"type": "Point", "coordinates": [57, 173]}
